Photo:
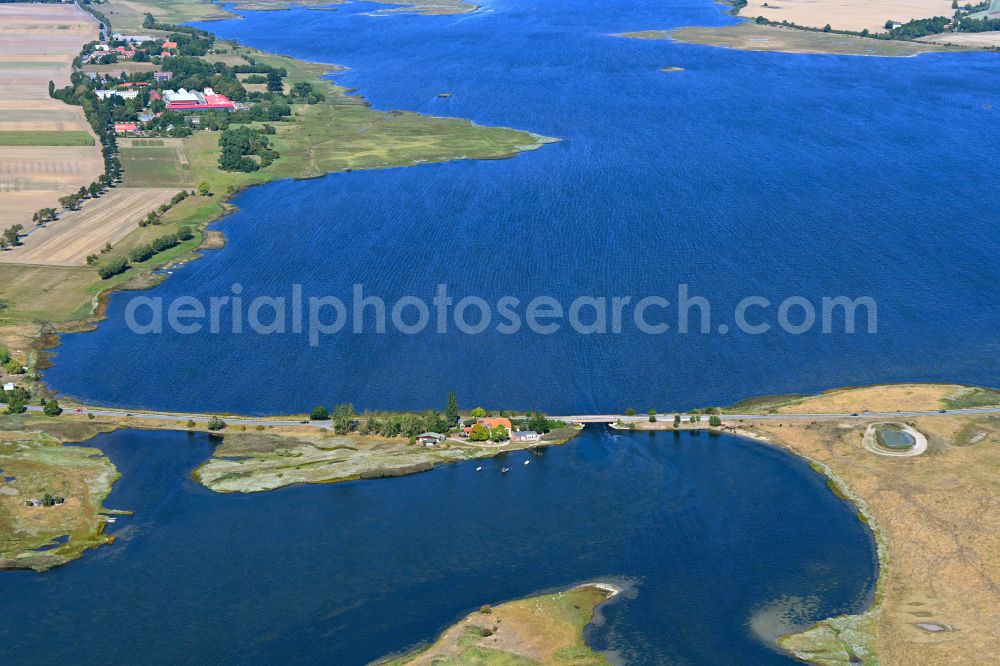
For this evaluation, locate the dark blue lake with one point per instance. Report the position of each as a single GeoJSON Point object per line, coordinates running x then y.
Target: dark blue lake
{"type": "Point", "coordinates": [746, 174]}
{"type": "Point", "coordinates": [710, 535]}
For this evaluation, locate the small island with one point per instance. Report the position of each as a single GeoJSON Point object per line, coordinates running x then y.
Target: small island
{"type": "Point", "coordinates": [366, 446]}
{"type": "Point", "coordinates": [546, 629]}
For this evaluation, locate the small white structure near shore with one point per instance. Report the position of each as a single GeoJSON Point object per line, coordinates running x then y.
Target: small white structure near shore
{"type": "Point", "coordinates": [521, 436]}
{"type": "Point", "coordinates": [430, 438]}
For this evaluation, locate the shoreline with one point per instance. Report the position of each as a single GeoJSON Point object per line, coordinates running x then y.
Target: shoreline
{"type": "Point", "coordinates": [750, 36]}
{"type": "Point", "coordinates": [825, 633]}
{"type": "Point", "coordinates": [850, 474]}
{"type": "Point", "coordinates": [39, 336]}
{"type": "Point", "coordinates": [542, 626]}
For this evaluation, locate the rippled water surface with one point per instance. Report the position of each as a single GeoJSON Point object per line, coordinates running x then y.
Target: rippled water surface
{"type": "Point", "coordinates": [718, 542]}
{"type": "Point", "coordinates": [744, 174]}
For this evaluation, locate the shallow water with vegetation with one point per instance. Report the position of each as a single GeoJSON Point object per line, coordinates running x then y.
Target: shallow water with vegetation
{"type": "Point", "coordinates": [713, 539]}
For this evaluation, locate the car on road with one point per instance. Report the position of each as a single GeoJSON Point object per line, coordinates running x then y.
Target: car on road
{"type": "Point", "coordinates": [855, 414]}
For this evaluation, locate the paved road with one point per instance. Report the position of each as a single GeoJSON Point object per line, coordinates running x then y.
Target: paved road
{"type": "Point", "coordinates": [611, 418]}
{"type": "Point", "coordinates": [579, 418]}
{"type": "Point", "coordinates": [184, 418]}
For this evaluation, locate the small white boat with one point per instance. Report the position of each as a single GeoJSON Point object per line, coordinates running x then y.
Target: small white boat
{"type": "Point", "coordinates": [527, 462]}
{"type": "Point", "coordinates": [112, 519]}
{"type": "Point", "coordinates": [504, 470]}
{"type": "Point", "coordinates": [479, 469]}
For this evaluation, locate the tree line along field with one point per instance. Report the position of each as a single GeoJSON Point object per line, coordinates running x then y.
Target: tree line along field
{"type": "Point", "coordinates": [45, 138]}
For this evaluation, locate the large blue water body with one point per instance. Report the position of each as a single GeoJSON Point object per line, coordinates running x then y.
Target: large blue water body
{"type": "Point", "coordinates": [709, 535]}
{"type": "Point", "coordinates": [745, 174]}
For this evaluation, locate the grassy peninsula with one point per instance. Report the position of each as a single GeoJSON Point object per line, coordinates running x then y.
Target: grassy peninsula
{"type": "Point", "coordinates": [751, 36]}
{"type": "Point", "coordinates": [546, 629]}
{"type": "Point", "coordinates": [846, 27]}
{"type": "Point", "coordinates": [252, 461]}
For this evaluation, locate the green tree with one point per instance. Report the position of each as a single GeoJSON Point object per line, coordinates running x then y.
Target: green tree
{"type": "Point", "coordinates": [714, 421]}
{"type": "Point", "coordinates": [539, 423]}
{"type": "Point", "coordinates": [451, 411]}
{"type": "Point", "coordinates": [274, 83]}
{"type": "Point", "coordinates": [15, 405]}
{"type": "Point", "coordinates": [343, 418]}
{"type": "Point", "coordinates": [215, 423]}
{"type": "Point", "coordinates": [12, 234]}
{"type": "Point", "coordinates": [478, 413]}
{"type": "Point", "coordinates": [652, 416]}
{"type": "Point", "coordinates": [479, 433]}
{"type": "Point", "coordinates": [499, 434]}
{"type": "Point", "coordinates": [827, 28]}
{"type": "Point", "coordinates": [434, 422]}
{"type": "Point", "coordinates": [319, 413]}
{"type": "Point", "coordinates": [52, 408]}
{"type": "Point", "coordinates": [677, 420]}
{"type": "Point", "coordinates": [629, 412]}
{"type": "Point", "coordinates": [205, 189]}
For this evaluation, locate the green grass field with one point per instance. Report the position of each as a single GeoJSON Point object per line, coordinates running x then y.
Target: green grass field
{"type": "Point", "coordinates": [151, 163]}
{"type": "Point", "coordinates": [46, 139]}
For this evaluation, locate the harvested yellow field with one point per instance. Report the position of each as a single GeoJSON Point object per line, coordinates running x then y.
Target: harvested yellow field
{"type": "Point", "coordinates": [895, 398]}
{"type": "Point", "coordinates": [975, 40]}
{"type": "Point", "coordinates": [45, 115]}
{"type": "Point", "coordinates": [76, 234]}
{"type": "Point", "coordinates": [37, 44]}
{"type": "Point", "coordinates": [53, 168]}
{"type": "Point", "coordinates": [855, 15]}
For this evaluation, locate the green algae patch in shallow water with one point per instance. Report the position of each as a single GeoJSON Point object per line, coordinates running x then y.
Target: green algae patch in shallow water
{"type": "Point", "coordinates": [894, 438]}
{"type": "Point", "coordinates": [50, 513]}
{"type": "Point", "coordinates": [846, 639]}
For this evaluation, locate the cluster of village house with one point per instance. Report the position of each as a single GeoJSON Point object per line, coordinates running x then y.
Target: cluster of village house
{"type": "Point", "coordinates": [490, 423]}
{"type": "Point", "coordinates": [132, 46]}
{"type": "Point", "coordinates": [176, 100]}
{"type": "Point", "coordinates": [182, 101]}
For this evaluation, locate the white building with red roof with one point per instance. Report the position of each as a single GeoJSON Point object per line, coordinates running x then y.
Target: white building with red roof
{"type": "Point", "coordinates": [192, 100]}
